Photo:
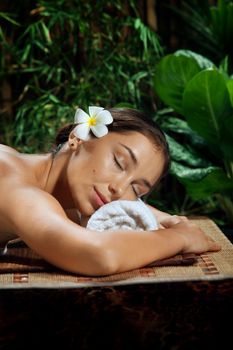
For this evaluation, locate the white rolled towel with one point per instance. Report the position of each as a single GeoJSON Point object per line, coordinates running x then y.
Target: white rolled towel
{"type": "Point", "coordinates": [124, 215]}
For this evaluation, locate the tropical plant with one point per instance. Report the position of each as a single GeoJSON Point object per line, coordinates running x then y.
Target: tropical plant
{"type": "Point", "coordinates": [200, 126]}
{"type": "Point", "coordinates": [58, 54]}
{"type": "Point", "coordinates": [206, 28]}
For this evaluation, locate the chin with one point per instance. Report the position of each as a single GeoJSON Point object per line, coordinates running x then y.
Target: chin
{"type": "Point", "coordinates": [85, 210]}
{"type": "Point", "coordinates": [83, 203]}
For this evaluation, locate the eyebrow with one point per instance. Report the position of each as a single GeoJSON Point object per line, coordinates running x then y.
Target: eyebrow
{"type": "Point", "coordinates": [135, 161]}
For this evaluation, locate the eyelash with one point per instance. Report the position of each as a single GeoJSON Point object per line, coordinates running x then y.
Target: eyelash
{"type": "Point", "coordinates": [120, 167]}
{"type": "Point", "coordinates": [135, 192]}
{"type": "Point", "coordinates": [117, 163]}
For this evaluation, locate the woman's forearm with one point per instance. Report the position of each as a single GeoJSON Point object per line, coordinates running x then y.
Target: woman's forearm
{"type": "Point", "coordinates": [95, 253]}
{"type": "Point", "coordinates": [129, 250]}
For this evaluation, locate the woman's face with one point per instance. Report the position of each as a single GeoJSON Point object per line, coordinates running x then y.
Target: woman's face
{"type": "Point", "coordinates": [116, 166]}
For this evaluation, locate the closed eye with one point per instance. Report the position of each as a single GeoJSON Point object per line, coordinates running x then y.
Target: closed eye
{"type": "Point", "coordinates": [117, 163]}
{"type": "Point", "coordinates": [119, 166]}
{"type": "Point", "coordinates": [138, 191]}
{"type": "Point", "coordinates": [135, 192]}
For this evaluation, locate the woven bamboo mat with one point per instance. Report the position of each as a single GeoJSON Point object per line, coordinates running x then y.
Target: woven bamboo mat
{"type": "Point", "coordinates": [22, 268]}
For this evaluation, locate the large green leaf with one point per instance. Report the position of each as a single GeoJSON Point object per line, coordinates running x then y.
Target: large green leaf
{"type": "Point", "coordinates": [187, 173]}
{"type": "Point", "coordinates": [230, 89]}
{"type": "Point", "coordinates": [202, 182]}
{"type": "Point", "coordinates": [228, 124]}
{"type": "Point", "coordinates": [227, 142]}
{"type": "Point", "coordinates": [202, 61]}
{"type": "Point", "coordinates": [179, 126]}
{"type": "Point", "coordinates": [207, 107]}
{"type": "Point", "coordinates": [181, 153]}
{"type": "Point", "coordinates": [171, 77]}
{"type": "Point", "coordinates": [176, 125]}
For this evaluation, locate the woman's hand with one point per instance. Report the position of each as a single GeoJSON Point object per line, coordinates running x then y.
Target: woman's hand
{"type": "Point", "coordinates": [160, 215]}
{"type": "Point", "coordinates": [168, 220]}
{"type": "Point", "coordinates": [195, 240]}
{"type": "Point", "coordinates": [163, 218]}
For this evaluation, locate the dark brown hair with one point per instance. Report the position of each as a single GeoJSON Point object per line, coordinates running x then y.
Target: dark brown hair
{"type": "Point", "coordinates": [126, 120]}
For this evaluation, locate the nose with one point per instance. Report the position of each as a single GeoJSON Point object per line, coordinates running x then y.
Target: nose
{"type": "Point", "coordinates": [117, 189]}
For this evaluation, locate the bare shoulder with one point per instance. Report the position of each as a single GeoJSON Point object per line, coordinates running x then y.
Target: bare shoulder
{"type": "Point", "coordinates": [26, 208]}
{"type": "Point", "coordinates": [21, 195]}
{"type": "Point", "coordinates": [10, 164]}
{"type": "Point", "coordinates": [7, 154]}
{"type": "Point", "coordinates": [7, 149]}
{"type": "Point", "coordinates": [13, 167]}
{"type": "Point", "coordinates": [18, 185]}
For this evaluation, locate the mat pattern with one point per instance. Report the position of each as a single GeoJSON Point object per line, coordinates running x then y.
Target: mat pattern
{"type": "Point", "coordinates": [22, 268]}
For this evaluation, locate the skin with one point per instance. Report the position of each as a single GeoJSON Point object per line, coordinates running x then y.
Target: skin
{"type": "Point", "coordinates": [39, 197]}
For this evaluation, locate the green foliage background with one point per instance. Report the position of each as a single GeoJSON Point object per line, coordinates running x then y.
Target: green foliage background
{"type": "Point", "coordinates": [57, 55]}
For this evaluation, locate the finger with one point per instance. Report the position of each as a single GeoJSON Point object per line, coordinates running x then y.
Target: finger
{"type": "Point", "coordinates": [170, 221]}
{"type": "Point", "coordinates": [214, 247]}
{"type": "Point", "coordinates": [161, 226]}
{"type": "Point", "coordinates": [183, 217]}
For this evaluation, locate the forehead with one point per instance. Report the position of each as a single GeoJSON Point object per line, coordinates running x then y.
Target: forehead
{"type": "Point", "coordinates": [150, 159]}
{"type": "Point", "coordinates": [138, 141]}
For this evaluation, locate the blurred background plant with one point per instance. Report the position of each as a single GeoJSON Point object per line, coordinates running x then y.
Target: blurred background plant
{"type": "Point", "coordinates": [59, 54]}
{"type": "Point", "coordinates": [206, 27]}
{"type": "Point", "coordinates": [201, 95]}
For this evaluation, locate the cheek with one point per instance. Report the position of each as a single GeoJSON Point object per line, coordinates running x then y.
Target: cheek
{"type": "Point", "coordinates": [101, 169]}
{"type": "Point", "coordinates": [98, 174]}
{"type": "Point", "coordinates": [128, 195]}
{"type": "Point", "coordinates": [95, 171]}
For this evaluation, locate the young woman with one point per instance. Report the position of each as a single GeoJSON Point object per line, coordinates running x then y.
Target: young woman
{"type": "Point", "coordinates": [42, 195]}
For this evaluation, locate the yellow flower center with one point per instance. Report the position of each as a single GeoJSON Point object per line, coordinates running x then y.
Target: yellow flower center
{"type": "Point", "coordinates": [92, 121]}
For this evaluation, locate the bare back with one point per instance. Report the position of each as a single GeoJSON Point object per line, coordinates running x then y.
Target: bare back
{"type": "Point", "coordinates": [12, 170]}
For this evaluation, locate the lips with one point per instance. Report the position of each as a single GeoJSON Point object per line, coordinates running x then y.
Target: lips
{"type": "Point", "coordinates": [100, 199]}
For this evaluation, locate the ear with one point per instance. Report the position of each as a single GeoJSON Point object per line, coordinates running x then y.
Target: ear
{"type": "Point", "coordinates": [74, 142]}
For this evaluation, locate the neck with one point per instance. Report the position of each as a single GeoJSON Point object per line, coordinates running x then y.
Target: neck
{"type": "Point", "coordinates": [50, 172]}
{"type": "Point", "coordinates": [57, 183]}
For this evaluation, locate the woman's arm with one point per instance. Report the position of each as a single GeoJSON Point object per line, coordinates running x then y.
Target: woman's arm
{"type": "Point", "coordinates": [41, 222]}
{"type": "Point", "coordinates": [144, 247]}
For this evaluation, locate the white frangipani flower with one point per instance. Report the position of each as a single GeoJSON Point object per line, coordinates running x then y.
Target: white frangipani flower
{"type": "Point", "coordinates": [96, 121]}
